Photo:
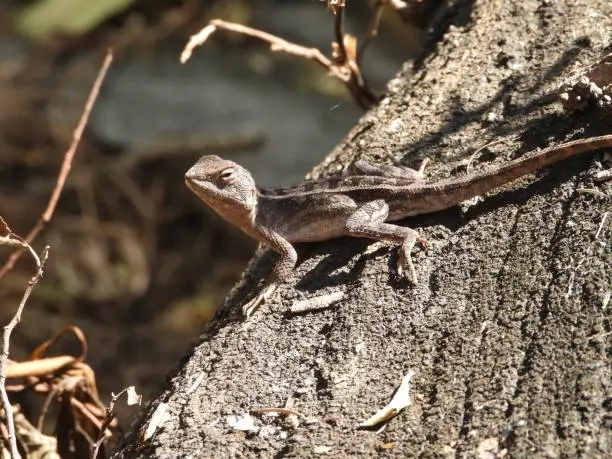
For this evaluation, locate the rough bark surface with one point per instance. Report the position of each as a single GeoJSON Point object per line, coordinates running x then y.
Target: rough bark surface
{"type": "Point", "coordinates": [507, 332]}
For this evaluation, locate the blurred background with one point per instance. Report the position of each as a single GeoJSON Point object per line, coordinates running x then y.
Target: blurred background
{"type": "Point", "coordinates": [136, 261]}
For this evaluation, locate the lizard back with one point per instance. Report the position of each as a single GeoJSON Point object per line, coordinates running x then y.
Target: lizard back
{"type": "Point", "coordinates": [407, 197]}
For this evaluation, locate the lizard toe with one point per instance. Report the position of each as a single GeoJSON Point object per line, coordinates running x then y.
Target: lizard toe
{"type": "Point", "coordinates": [405, 267]}
{"type": "Point", "coordinates": [249, 308]}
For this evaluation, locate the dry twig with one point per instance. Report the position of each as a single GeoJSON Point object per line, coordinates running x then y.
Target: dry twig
{"type": "Point", "coordinates": [338, 11]}
{"type": "Point", "coordinates": [372, 29]}
{"type": "Point", "coordinates": [7, 237]}
{"type": "Point", "coordinates": [316, 303]}
{"type": "Point", "coordinates": [401, 7]}
{"type": "Point", "coordinates": [69, 382]}
{"type": "Point", "coordinates": [66, 165]}
{"type": "Point", "coordinates": [343, 65]}
{"type": "Point", "coordinates": [132, 399]}
{"type": "Point", "coordinates": [6, 337]}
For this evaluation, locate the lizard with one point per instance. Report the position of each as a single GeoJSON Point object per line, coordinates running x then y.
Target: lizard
{"type": "Point", "coordinates": [359, 203]}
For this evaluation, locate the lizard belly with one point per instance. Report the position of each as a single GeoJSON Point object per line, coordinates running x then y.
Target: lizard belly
{"type": "Point", "coordinates": [318, 230]}
{"type": "Point", "coordinates": [308, 218]}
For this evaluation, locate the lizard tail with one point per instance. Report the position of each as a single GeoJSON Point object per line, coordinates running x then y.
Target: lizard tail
{"type": "Point", "coordinates": [452, 192]}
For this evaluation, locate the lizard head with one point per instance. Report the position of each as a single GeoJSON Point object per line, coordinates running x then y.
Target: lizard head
{"type": "Point", "coordinates": [223, 185]}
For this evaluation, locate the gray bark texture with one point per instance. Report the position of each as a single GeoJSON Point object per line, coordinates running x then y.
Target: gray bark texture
{"type": "Point", "coordinates": [508, 331]}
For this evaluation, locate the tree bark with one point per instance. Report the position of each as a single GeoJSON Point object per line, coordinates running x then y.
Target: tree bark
{"type": "Point", "coordinates": [508, 330]}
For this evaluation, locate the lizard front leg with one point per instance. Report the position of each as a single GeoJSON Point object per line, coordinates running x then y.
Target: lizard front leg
{"type": "Point", "coordinates": [369, 221]}
{"type": "Point", "coordinates": [283, 269]}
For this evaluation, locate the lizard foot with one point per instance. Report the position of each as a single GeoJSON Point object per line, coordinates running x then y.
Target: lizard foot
{"type": "Point", "coordinates": [404, 261]}
{"type": "Point", "coordinates": [259, 299]}
{"type": "Point", "coordinates": [424, 242]}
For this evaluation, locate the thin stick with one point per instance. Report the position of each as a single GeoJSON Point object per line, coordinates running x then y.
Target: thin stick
{"type": "Point", "coordinates": [347, 72]}
{"type": "Point", "coordinates": [132, 399]}
{"type": "Point", "coordinates": [66, 165]}
{"type": "Point", "coordinates": [316, 303]}
{"type": "Point", "coordinates": [6, 337]}
{"type": "Point", "coordinates": [338, 11]}
{"type": "Point", "coordinates": [12, 240]}
{"type": "Point", "coordinates": [110, 415]}
{"type": "Point", "coordinates": [372, 30]}
{"type": "Point", "coordinates": [276, 43]}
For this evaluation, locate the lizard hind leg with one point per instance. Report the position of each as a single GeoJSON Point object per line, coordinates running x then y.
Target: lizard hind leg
{"type": "Point", "coordinates": [369, 221]}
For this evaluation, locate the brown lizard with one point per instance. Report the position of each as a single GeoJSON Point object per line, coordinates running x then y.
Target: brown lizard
{"type": "Point", "coordinates": [358, 204]}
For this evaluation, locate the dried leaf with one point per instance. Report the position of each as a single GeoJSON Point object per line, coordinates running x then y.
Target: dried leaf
{"type": "Point", "coordinates": [40, 351]}
{"type": "Point", "coordinates": [39, 446]}
{"type": "Point", "coordinates": [400, 400]}
{"type": "Point", "coordinates": [159, 418]}
{"type": "Point", "coordinates": [389, 445]}
{"type": "Point", "coordinates": [244, 423]}
{"type": "Point", "coordinates": [133, 398]}
{"type": "Point", "coordinates": [39, 367]}
{"type": "Point", "coordinates": [321, 449]}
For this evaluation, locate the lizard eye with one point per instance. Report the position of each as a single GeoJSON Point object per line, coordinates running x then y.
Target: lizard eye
{"type": "Point", "coordinates": [228, 175]}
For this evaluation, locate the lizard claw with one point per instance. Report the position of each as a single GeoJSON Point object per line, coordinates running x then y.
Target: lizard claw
{"type": "Point", "coordinates": [424, 242]}
{"type": "Point", "coordinates": [249, 308]}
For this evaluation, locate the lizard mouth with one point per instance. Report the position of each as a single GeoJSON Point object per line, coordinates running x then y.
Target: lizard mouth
{"type": "Point", "coordinates": [194, 186]}
{"type": "Point", "coordinates": [190, 184]}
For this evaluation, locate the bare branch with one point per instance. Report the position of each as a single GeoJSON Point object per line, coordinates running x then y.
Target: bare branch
{"type": "Point", "coordinates": [276, 43]}
{"type": "Point", "coordinates": [6, 337]}
{"type": "Point", "coordinates": [346, 69]}
{"type": "Point", "coordinates": [132, 399]}
{"type": "Point", "coordinates": [338, 11]}
{"type": "Point", "coordinates": [372, 29]}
